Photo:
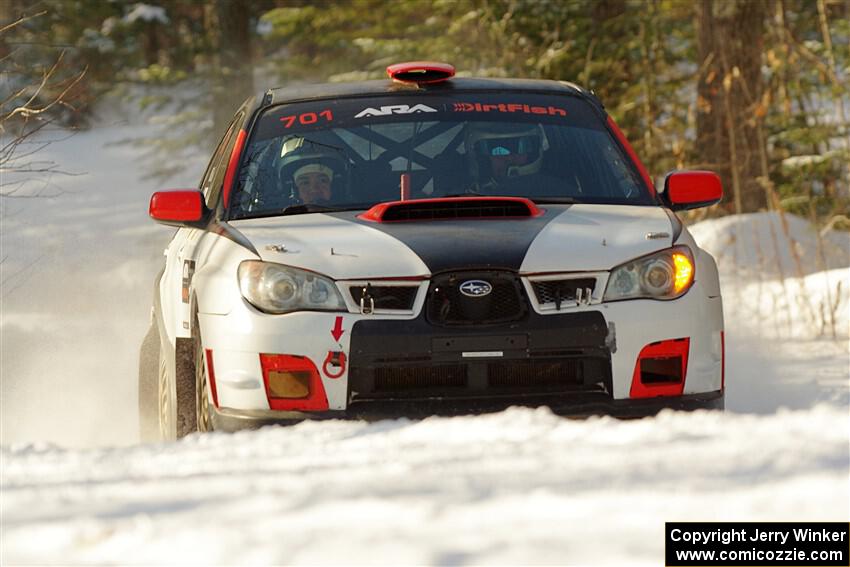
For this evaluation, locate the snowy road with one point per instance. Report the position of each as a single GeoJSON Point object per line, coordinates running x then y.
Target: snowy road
{"type": "Point", "coordinates": [518, 487]}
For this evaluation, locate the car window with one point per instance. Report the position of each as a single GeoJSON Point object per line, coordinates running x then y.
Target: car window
{"type": "Point", "coordinates": [211, 183]}
{"type": "Point", "coordinates": [353, 153]}
{"type": "Point", "coordinates": [206, 180]}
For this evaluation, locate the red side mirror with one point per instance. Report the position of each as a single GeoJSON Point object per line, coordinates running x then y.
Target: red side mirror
{"type": "Point", "coordinates": [692, 189]}
{"type": "Point", "coordinates": [177, 207]}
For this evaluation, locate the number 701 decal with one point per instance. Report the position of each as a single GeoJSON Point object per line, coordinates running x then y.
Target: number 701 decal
{"type": "Point", "coordinates": [306, 118]}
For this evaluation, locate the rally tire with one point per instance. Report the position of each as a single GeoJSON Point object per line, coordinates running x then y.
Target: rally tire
{"type": "Point", "coordinates": [203, 417]}
{"type": "Point", "coordinates": [185, 388]}
{"type": "Point", "coordinates": [165, 400]}
{"type": "Point", "coordinates": [177, 393]}
{"type": "Point", "coordinates": [148, 387]}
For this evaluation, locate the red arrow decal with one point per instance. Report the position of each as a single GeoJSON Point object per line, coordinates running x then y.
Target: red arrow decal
{"type": "Point", "coordinates": [337, 330]}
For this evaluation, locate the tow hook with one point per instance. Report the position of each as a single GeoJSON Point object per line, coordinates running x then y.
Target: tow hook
{"type": "Point", "coordinates": [334, 365]}
{"type": "Point", "coordinates": [611, 338]}
{"type": "Point", "coordinates": [367, 302]}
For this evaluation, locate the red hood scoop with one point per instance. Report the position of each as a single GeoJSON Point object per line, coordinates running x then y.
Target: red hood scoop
{"type": "Point", "coordinates": [452, 208]}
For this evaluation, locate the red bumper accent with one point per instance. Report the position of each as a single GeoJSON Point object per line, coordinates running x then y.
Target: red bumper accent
{"type": "Point", "coordinates": [660, 369]}
{"type": "Point", "coordinates": [211, 376]}
{"type": "Point", "coordinates": [316, 400]}
{"type": "Point", "coordinates": [722, 361]}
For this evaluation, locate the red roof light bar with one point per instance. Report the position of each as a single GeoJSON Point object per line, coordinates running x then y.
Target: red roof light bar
{"type": "Point", "coordinates": [421, 72]}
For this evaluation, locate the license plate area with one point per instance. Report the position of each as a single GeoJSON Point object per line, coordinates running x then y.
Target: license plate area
{"type": "Point", "coordinates": [479, 344]}
{"type": "Point", "coordinates": [414, 360]}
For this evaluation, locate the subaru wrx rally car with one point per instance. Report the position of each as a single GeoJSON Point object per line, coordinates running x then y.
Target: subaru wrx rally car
{"type": "Point", "coordinates": [428, 244]}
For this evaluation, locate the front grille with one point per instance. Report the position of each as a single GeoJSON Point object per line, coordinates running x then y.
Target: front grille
{"type": "Point", "coordinates": [420, 378]}
{"type": "Point", "coordinates": [413, 359]}
{"type": "Point", "coordinates": [558, 291]}
{"type": "Point", "coordinates": [395, 297]}
{"type": "Point", "coordinates": [447, 306]}
{"type": "Point", "coordinates": [534, 374]}
{"type": "Point", "coordinates": [494, 378]}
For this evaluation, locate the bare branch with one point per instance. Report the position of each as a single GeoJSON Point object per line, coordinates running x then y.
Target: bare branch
{"type": "Point", "coordinates": [9, 55]}
{"type": "Point", "coordinates": [17, 164]}
{"type": "Point", "coordinates": [12, 97]}
{"type": "Point", "coordinates": [8, 153]}
{"type": "Point", "coordinates": [51, 168]}
{"type": "Point", "coordinates": [809, 55]}
{"type": "Point", "coordinates": [22, 136]}
{"type": "Point", "coordinates": [21, 272]}
{"type": "Point", "coordinates": [20, 156]}
{"type": "Point", "coordinates": [60, 98]}
{"type": "Point", "coordinates": [13, 195]}
{"type": "Point", "coordinates": [16, 189]}
{"type": "Point", "coordinates": [21, 20]}
{"type": "Point", "coordinates": [24, 107]}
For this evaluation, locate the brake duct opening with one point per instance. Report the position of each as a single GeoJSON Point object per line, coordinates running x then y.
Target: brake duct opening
{"type": "Point", "coordinates": [292, 382]}
{"type": "Point", "coordinates": [660, 369]}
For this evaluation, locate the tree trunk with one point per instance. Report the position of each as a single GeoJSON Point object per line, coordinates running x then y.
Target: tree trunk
{"type": "Point", "coordinates": [233, 80]}
{"type": "Point", "coordinates": [603, 10]}
{"type": "Point", "coordinates": [729, 92]}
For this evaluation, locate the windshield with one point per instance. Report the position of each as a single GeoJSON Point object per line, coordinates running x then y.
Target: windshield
{"type": "Point", "coordinates": [353, 153]}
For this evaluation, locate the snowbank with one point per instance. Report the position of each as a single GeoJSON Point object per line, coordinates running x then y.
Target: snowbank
{"type": "Point", "coordinates": [793, 284]}
{"type": "Point", "coordinates": [756, 246]}
{"type": "Point", "coordinates": [519, 487]}
{"type": "Point", "coordinates": [816, 305]}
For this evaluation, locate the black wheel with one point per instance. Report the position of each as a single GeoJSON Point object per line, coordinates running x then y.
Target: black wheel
{"type": "Point", "coordinates": [148, 387]}
{"type": "Point", "coordinates": [177, 393]}
{"type": "Point", "coordinates": [202, 403]}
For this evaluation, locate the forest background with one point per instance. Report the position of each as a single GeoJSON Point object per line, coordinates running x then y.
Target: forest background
{"type": "Point", "coordinates": [756, 90]}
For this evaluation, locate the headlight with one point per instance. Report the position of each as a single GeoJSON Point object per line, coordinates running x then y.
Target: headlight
{"type": "Point", "coordinates": [663, 275]}
{"type": "Point", "coordinates": [274, 288]}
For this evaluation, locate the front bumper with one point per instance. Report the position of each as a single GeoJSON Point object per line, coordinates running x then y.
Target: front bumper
{"type": "Point", "coordinates": [227, 419]}
{"type": "Point", "coordinates": [605, 338]}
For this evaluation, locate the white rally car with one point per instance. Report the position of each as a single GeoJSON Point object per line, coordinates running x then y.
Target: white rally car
{"type": "Point", "coordinates": [428, 244]}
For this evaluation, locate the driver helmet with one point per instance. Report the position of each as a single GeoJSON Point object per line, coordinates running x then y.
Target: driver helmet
{"type": "Point", "coordinates": [311, 169]}
{"type": "Point", "coordinates": [501, 149]}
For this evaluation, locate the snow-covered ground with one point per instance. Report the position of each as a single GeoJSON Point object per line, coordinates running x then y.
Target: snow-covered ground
{"type": "Point", "coordinates": [518, 487]}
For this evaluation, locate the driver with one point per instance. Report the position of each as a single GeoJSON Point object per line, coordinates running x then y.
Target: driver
{"type": "Point", "coordinates": [506, 158]}
{"type": "Point", "coordinates": [310, 169]}
{"type": "Point", "coordinates": [313, 183]}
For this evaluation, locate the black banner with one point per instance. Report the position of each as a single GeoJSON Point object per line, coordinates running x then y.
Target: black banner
{"type": "Point", "coordinates": [808, 544]}
{"type": "Point", "coordinates": [411, 107]}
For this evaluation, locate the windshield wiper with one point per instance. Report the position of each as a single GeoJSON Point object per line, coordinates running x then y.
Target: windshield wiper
{"type": "Point", "coordinates": [555, 200]}
{"type": "Point", "coordinates": [297, 210]}
{"type": "Point", "coordinates": [539, 201]}
{"type": "Point", "coordinates": [307, 208]}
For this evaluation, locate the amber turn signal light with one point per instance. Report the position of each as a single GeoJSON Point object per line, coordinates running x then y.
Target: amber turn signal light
{"type": "Point", "coordinates": [290, 385]}
{"type": "Point", "coordinates": [684, 272]}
